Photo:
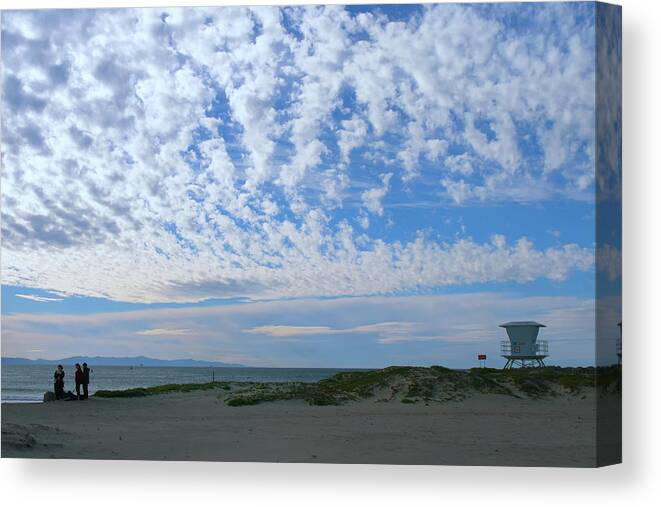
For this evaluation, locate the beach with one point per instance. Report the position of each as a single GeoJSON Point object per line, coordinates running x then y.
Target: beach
{"type": "Point", "coordinates": [485, 429]}
{"type": "Point", "coordinates": [27, 383]}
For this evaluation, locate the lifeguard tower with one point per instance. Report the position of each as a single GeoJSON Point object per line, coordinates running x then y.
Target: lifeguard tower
{"type": "Point", "coordinates": [522, 349]}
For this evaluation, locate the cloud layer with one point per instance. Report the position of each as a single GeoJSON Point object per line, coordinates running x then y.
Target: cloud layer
{"type": "Point", "coordinates": [356, 332]}
{"type": "Point", "coordinates": [161, 155]}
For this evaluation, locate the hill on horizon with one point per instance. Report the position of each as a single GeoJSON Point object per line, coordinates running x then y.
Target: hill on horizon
{"type": "Point", "coordinates": [119, 361]}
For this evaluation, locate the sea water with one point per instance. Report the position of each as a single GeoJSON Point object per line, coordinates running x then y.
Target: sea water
{"type": "Point", "coordinates": [27, 383]}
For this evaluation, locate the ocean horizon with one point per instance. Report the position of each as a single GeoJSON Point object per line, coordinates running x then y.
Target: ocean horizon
{"type": "Point", "coordinates": [28, 383]}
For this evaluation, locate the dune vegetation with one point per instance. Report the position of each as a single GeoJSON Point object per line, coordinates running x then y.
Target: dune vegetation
{"type": "Point", "coordinates": [162, 389]}
{"type": "Point", "coordinates": [406, 384]}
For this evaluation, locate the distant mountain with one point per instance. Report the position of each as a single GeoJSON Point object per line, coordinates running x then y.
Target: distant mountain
{"type": "Point", "coordinates": [119, 361]}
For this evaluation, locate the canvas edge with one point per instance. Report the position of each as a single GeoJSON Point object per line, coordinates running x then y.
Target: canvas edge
{"type": "Point", "coordinates": [608, 232]}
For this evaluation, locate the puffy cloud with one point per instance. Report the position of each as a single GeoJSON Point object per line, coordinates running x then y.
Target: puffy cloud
{"type": "Point", "coordinates": [290, 262]}
{"type": "Point", "coordinates": [459, 191]}
{"type": "Point", "coordinates": [352, 135]}
{"type": "Point", "coordinates": [183, 154]}
{"type": "Point", "coordinates": [462, 164]}
{"type": "Point", "coordinates": [372, 198]}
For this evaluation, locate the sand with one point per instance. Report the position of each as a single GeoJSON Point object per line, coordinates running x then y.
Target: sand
{"type": "Point", "coordinates": [198, 426]}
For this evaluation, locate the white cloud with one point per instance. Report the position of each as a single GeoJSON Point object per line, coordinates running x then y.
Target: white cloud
{"type": "Point", "coordinates": [351, 136]}
{"type": "Point", "coordinates": [165, 332]}
{"type": "Point", "coordinates": [372, 198]}
{"type": "Point", "coordinates": [39, 299]}
{"type": "Point", "coordinates": [290, 262]}
{"type": "Point", "coordinates": [462, 164]}
{"type": "Point", "coordinates": [459, 190]}
{"type": "Point", "coordinates": [159, 155]}
{"type": "Point", "coordinates": [358, 332]}
{"type": "Point", "coordinates": [287, 331]}
{"type": "Point", "coordinates": [389, 329]}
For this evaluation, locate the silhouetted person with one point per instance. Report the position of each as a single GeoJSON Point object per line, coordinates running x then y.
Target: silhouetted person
{"type": "Point", "coordinates": [79, 380]}
{"type": "Point", "coordinates": [58, 384]}
{"type": "Point", "coordinates": [86, 380]}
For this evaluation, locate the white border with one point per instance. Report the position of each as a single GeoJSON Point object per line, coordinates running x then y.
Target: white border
{"type": "Point", "coordinates": [637, 482]}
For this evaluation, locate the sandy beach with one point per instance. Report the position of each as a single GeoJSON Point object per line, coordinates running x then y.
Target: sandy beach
{"type": "Point", "coordinates": [198, 426]}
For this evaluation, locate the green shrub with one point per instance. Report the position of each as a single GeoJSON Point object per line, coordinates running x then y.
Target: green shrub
{"type": "Point", "coordinates": [162, 389]}
{"type": "Point", "coordinates": [429, 384]}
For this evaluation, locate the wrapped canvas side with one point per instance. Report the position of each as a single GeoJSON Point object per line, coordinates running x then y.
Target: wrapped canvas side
{"type": "Point", "coordinates": [608, 279]}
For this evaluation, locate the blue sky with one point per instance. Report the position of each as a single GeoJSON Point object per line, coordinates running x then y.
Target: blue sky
{"type": "Point", "coordinates": [305, 186]}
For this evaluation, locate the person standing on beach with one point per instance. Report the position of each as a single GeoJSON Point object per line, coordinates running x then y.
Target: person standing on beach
{"type": "Point", "coordinates": [79, 380]}
{"type": "Point", "coordinates": [86, 380]}
{"type": "Point", "coordinates": [58, 377]}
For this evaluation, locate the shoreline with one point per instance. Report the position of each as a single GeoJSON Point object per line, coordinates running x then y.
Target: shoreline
{"type": "Point", "coordinates": [531, 381]}
{"type": "Point", "coordinates": [486, 426]}
{"type": "Point", "coordinates": [29, 382]}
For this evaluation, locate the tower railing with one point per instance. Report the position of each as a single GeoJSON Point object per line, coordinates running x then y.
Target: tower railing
{"type": "Point", "coordinates": [541, 348]}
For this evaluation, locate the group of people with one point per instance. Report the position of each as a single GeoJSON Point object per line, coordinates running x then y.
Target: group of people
{"type": "Point", "coordinates": [82, 378]}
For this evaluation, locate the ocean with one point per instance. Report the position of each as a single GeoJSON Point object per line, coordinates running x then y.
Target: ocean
{"type": "Point", "coordinates": [27, 383]}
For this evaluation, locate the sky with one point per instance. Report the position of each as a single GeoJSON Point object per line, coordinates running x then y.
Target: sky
{"type": "Point", "coordinates": [318, 186]}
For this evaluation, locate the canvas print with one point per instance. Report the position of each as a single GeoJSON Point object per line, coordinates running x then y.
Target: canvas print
{"type": "Point", "coordinates": [383, 234]}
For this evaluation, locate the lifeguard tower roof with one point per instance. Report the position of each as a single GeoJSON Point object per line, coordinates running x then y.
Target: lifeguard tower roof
{"type": "Point", "coordinates": [516, 323]}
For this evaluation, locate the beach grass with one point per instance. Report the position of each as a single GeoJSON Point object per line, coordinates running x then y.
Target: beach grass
{"type": "Point", "coordinates": [412, 385]}
{"type": "Point", "coordinates": [162, 389]}
{"type": "Point", "coordinates": [405, 384]}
